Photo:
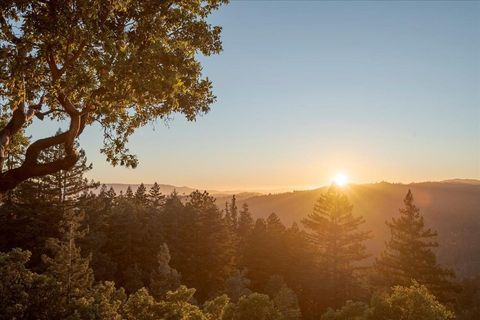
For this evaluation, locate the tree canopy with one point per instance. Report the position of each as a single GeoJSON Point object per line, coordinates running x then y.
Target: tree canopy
{"type": "Point", "coordinates": [121, 64]}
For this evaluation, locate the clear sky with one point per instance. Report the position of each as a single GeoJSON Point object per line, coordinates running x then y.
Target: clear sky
{"type": "Point", "coordinates": [378, 90]}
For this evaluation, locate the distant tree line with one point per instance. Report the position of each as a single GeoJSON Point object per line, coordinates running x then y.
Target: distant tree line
{"type": "Point", "coordinates": [69, 253]}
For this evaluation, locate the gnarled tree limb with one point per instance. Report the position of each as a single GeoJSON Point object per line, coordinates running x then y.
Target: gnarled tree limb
{"type": "Point", "coordinates": [30, 166]}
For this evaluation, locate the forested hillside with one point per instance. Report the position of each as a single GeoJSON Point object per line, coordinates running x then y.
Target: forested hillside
{"type": "Point", "coordinates": [452, 208]}
{"type": "Point", "coordinates": [149, 255]}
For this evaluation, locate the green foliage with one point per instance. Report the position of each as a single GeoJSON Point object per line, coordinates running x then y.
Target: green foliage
{"type": "Point", "coordinates": [413, 303]}
{"type": "Point", "coordinates": [70, 270]}
{"type": "Point", "coordinates": [253, 307]}
{"type": "Point", "coordinates": [123, 63]}
{"type": "Point", "coordinates": [103, 301]}
{"type": "Point", "coordinates": [205, 255]}
{"type": "Point", "coordinates": [62, 188]}
{"type": "Point", "coordinates": [237, 284]}
{"type": "Point", "coordinates": [142, 306]}
{"type": "Point", "coordinates": [134, 244]}
{"type": "Point", "coordinates": [155, 198]}
{"type": "Point", "coordinates": [286, 302]}
{"type": "Point", "coordinates": [350, 311]}
{"type": "Point", "coordinates": [215, 309]}
{"type": "Point", "coordinates": [468, 300]}
{"type": "Point", "coordinates": [231, 214]}
{"type": "Point", "coordinates": [339, 245]}
{"type": "Point", "coordinates": [35, 208]}
{"type": "Point", "coordinates": [164, 278]}
{"type": "Point", "coordinates": [409, 254]}
{"type": "Point", "coordinates": [245, 222]}
{"type": "Point", "coordinates": [23, 293]}
{"type": "Point", "coordinates": [16, 148]}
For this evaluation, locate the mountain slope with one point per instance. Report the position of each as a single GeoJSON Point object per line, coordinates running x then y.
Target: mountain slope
{"type": "Point", "coordinates": [451, 208]}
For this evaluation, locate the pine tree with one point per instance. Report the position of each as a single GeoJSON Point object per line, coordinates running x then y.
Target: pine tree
{"type": "Point", "coordinates": [339, 244]}
{"type": "Point", "coordinates": [99, 210]}
{"type": "Point", "coordinates": [205, 253]}
{"type": "Point", "coordinates": [67, 266]}
{"type": "Point", "coordinates": [231, 214]}
{"type": "Point", "coordinates": [237, 284]}
{"type": "Point", "coordinates": [256, 255]}
{"type": "Point", "coordinates": [141, 195]}
{"type": "Point", "coordinates": [286, 302]}
{"type": "Point", "coordinates": [234, 212]}
{"type": "Point", "coordinates": [409, 254]}
{"type": "Point", "coordinates": [38, 205]}
{"type": "Point", "coordinates": [245, 222]}
{"type": "Point", "coordinates": [155, 198]}
{"type": "Point", "coordinates": [164, 278]}
{"type": "Point", "coordinates": [276, 245]}
{"type": "Point", "coordinates": [227, 216]}
{"type": "Point", "coordinates": [255, 306]}
{"type": "Point", "coordinates": [129, 193]}
{"type": "Point", "coordinates": [127, 246]}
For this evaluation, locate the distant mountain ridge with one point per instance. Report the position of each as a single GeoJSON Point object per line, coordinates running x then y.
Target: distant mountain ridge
{"type": "Point", "coordinates": [185, 190]}
{"type": "Point", "coordinates": [464, 181]}
{"type": "Point", "coordinates": [182, 191]}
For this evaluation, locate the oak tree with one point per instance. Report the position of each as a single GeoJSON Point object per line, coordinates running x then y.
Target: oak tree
{"type": "Point", "coordinates": [121, 64]}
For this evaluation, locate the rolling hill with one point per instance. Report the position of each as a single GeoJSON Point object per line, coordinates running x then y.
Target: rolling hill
{"type": "Point", "coordinates": [451, 207]}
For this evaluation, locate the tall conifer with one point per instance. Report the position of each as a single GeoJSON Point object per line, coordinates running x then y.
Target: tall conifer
{"type": "Point", "coordinates": [340, 245]}
{"type": "Point", "coordinates": [409, 254]}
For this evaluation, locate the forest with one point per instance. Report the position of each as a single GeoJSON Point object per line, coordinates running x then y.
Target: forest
{"type": "Point", "coordinates": [71, 253]}
{"type": "Point", "coordinates": [73, 248]}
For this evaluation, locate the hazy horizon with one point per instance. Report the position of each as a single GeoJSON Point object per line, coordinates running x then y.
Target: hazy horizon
{"type": "Point", "coordinates": [280, 189]}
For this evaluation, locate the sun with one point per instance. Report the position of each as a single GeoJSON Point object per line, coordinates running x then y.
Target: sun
{"type": "Point", "coordinates": [340, 179]}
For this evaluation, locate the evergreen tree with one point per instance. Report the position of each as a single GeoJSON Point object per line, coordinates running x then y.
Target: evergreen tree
{"type": "Point", "coordinates": [414, 302]}
{"type": "Point", "coordinates": [339, 244]}
{"type": "Point", "coordinates": [207, 257]}
{"type": "Point", "coordinates": [245, 222]}
{"type": "Point", "coordinates": [256, 255]}
{"type": "Point", "coordinates": [237, 284]}
{"type": "Point", "coordinates": [164, 278]}
{"type": "Point", "coordinates": [301, 270]}
{"type": "Point", "coordinates": [227, 215]}
{"type": "Point", "coordinates": [255, 306]}
{"type": "Point", "coordinates": [155, 198]}
{"type": "Point", "coordinates": [234, 212]}
{"type": "Point", "coordinates": [98, 213]}
{"type": "Point", "coordinates": [175, 227]}
{"type": "Point", "coordinates": [25, 294]}
{"type": "Point", "coordinates": [409, 254]}
{"type": "Point", "coordinates": [38, 205]}
{"type": "Point", "coordinates": [276, 245]}
{"type": "Point", "coordinates": [286, 302]}
{"type": "Point", "coordinates": [129, 251]}
{"type": "Point", "coordinates": [142, 306]}
{"type": "Point", "coordinates": [104, 301]}
{"type": "Point", "coordinates": [67, 266]}
{"type": "Point", "coordinates": [129, 193]}
{"type": "Point", "coordinates": [141, 195]}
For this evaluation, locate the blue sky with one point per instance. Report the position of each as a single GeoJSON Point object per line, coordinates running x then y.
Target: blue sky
{"type": "Point", "coordinates": [379, 90]}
